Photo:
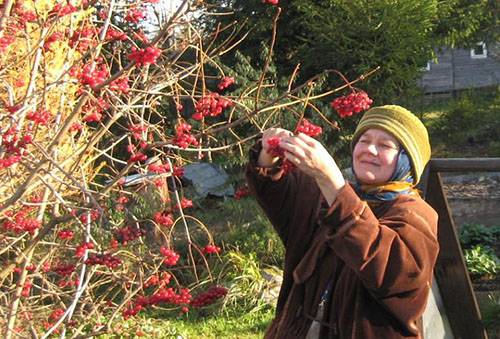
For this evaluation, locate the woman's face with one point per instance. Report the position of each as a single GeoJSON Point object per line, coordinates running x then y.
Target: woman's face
{"type": "Point", "coordinates": [375, 156]}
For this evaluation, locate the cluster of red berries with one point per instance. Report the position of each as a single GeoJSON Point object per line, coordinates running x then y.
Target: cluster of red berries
{"type": "Point", "coordinates": [211, 249]}
{"type": "Point", "coordinates": [137, 131]}
{"type": "Point", "coordinates": [171, 258]}
{"type": "Point", "coordinates": [63, 270]}
{"type": "Point", "coordinates": [13, 146]}
{"type": "Point", "coordinates": [178, 171]}
{"type": "Point", "coordinates": [241, 192]}
{"type": "Point", "coordinates": [5, 42]}
{"type": "Point", "coordinates": [65, 234]}
{"type": "Point", "coordinates": [80, 250]}
{"type": "Point", "coordinates": [209, 296]}
{"type": "Point", "coordinates": [120, 202]}
{"type": "Point", "coordinates": [60, 10]}
{"type": "Point", "coordinates": [83, 39]}
{"type": "Point", "coordinates": [161, 280]}
{"type": "Point", "coordinates": [134, 15]}
{"type": "Point", "coordinates": [128, 233]}
{"type": "Point", "coordinates": [94, 109]}
{"type": "Point", "coordinates": [9, 160]}
{"type": "Point", "coordinates": [276, 151]}
{"type": "Point", "coordinates": [56, 314]}
{"type": "Point", "coordinates": [185, 203]}
{"type": "Point", "coordinates": [183, 137]}
{"type": "Point", "coordinates": [29, 268]}
{"type": "Point", "coordinates": [274, 148]}
{"type": "Point", "coordinates": [41, 117]}
{"type": "Point", "coordinates": [225, 82]}
{"type": "Point", "coordinates": [105, 259]}
{"type": "Point", "coordinates": [122, 199]}
{"type": "Point", "coordinates": [308, 128]}
{"type": "Point", "coordinates": [135, 156]}
{"type": "Point", "coordinates": [92, 75]}
{"type": "Point", "coordinates": [159, 168]}
{"type": "Point", "coordinates": [211, 105]}
{"type": "Point", "coordinates": [20, 222]}
{"type": "Point", "coordinates": [120, 85]}
{"type": "Point", "coordinates": [23, 16]}
{"type": "Point", "coordinates": [163, 296]}
{"type": "Point", "coordinates": [93, 214]}
{"type": "Point", "coordinates": [53, 318]}
{"type": "Point", "coordinates": [68, 283]}
{"type": "Point", "coordinates": [25, 292]}
{"type": "Point", "coordinates": [114, 34]}
{"type": "Point", "coordinates": [141, 36]}
{"type": "Point", "coordinates": [164, 219]}
{"type": "Point", "coordinates": [352, 103]}
{"type": "Point", "coordinates": [145, 56]}
{"type": "Point", "coordinates": [271, 2]}
{"type": "Point", "coordinates": [56, 36]}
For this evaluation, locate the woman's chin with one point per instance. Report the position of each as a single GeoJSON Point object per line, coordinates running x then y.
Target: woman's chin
{"type": "Point", "coordinates": [367, 179]}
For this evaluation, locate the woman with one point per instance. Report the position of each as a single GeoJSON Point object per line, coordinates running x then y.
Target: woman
{"type": "Point", "coordinates": [359, 256]}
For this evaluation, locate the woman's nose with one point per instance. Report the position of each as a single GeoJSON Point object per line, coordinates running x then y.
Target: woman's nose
{"type": "Point", "coordinates": [372, 148]}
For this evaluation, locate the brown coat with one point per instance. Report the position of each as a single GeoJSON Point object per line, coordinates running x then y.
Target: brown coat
{"type": "Point", "coordinates": [380, 259]}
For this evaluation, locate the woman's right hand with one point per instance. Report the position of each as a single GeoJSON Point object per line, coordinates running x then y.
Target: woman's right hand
{"type": "Point", "coordinates": [266, 159]}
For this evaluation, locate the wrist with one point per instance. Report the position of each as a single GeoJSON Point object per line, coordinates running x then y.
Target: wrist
{"type": "Point", "coordinates": [331, 179]}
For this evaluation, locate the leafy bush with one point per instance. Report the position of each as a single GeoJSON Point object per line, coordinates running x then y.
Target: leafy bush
{"type": "Point", "coordinates": [481, 261]}
{"type": "Point", "coordinates": [475, 234]}
{"type": "Point", "coordinates": [468, 122]}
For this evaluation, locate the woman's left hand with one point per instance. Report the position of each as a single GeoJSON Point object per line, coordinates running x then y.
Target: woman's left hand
{"type": "Point", "coordinates": [312, 158]}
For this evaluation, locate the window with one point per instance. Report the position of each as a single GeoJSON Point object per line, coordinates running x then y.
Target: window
{"type": "Point", "coordinates": [479, 51]}
{"type": "Point", "coordinates": [425, 67]}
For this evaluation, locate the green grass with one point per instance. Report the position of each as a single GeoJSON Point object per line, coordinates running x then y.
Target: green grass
{"type": "Point", "coordinates": [244, 325]}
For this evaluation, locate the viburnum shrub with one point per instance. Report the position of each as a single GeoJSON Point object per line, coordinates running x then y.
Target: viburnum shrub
{"type": "Point", "coordinates": [101, 106]}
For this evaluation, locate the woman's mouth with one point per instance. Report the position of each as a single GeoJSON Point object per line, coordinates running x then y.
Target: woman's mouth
{"type": "Point", "coordinates": [368, 162]}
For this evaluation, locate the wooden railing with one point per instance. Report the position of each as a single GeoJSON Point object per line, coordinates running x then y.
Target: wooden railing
{"type": "Point", "coordinates": [451, 273]}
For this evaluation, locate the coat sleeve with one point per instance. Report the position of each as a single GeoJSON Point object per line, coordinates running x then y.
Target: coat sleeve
{"type": "Point", "coordinates": [392, 255]}
{"type": "Point", "coordinates": [288, 200]}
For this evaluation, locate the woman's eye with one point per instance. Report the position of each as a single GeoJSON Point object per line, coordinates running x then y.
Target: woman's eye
{"type": "Point", "coordinates": [388, 146]}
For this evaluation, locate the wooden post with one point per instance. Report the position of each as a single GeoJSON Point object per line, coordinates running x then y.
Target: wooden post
{"type": "Point", "coordinates": [451, 273]}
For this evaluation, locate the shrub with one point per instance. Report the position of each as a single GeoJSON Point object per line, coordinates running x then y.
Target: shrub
{"type": "Point", "coordinates": [481, 261]}
{"type": "Point", "coordinates": [478, 234]}
{"type": "Point", "coordinates": [100, 108]}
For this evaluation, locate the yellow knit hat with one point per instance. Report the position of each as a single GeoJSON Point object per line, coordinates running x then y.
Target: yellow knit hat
{"type": "Point", "coordinates": [405, 127]}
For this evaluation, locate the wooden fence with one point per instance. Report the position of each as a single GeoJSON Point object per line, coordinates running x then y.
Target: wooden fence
{"type": "Point", "coordinates": [451, 273]}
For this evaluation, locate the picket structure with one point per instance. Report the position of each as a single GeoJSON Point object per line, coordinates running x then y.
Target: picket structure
{"type": "Point", "coordinates": [451, 275]}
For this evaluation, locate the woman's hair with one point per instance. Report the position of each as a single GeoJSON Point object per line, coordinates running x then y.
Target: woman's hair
{"type": "Point", "coordinates": [408, 130]}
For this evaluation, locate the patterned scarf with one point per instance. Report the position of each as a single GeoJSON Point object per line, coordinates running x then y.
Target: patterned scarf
{"type": "Point", "coordinates": [401, 182]}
